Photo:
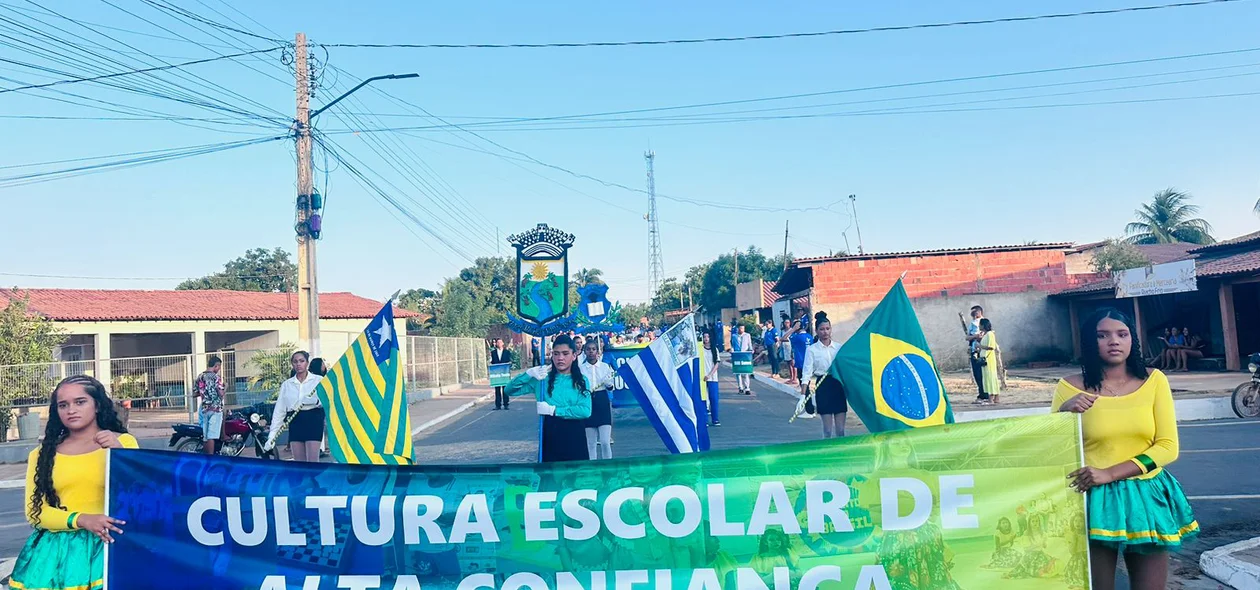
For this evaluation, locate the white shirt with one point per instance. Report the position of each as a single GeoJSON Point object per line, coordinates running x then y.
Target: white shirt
{"type": "Point", "coordinates": [818, 358]}
{"type": "Point", "coordinates": [295, 395]}
{"type": "Point", "coordinates": [744, 341]}
{"type": "Point", "coordinates": [599, 376]}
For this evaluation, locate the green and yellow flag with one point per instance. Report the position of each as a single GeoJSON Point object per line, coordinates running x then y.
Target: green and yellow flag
{"type": "Point", "coordinates": [366, 400]}
{"type": "Point", "coordinates": [887, 370]}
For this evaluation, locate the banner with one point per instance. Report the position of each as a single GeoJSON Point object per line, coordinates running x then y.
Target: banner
{"type": "Point", "coordinates": [742, 363]}
{"type": "Point", "coordinates": [1160, 279]}
{"type": "Point", "coordinates": [961, 506]}
{"type": "Point", "coordinates": [621, 396]}
{"type": "Point", "coordinates": [500, 374]}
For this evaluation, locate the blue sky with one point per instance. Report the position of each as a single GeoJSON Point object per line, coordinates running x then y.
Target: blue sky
{"type": "Point", "coordinates": [991, 174]}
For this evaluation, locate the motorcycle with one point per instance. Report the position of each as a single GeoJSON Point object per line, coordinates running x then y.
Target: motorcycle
{"type": "Point", "coordinates": [246, 427]}
{"type": "Point", "coordinates": [1247, 396]}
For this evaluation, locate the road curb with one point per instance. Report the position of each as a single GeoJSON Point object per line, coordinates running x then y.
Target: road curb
{"type": "Point", "coordinates": [451, 414]}
{"type": "Point", "coordinates": [6, 569]}
{"type": "Point", "coordinates": [1188, 410]}
{"type": "Point", "coordinates": [12, 484]}
{"type": "Point", "coordinates": [1223, 567]}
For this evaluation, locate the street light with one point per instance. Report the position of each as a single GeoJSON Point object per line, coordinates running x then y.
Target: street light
{"type": "Point", "coordinates": [361, 85]}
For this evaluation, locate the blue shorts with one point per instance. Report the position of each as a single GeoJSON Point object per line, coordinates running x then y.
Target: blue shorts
{"type": "Point", "coordinates": [211, 425]}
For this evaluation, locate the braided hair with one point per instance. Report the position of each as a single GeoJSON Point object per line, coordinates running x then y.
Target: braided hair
{"type": "Point", "coordinates": [575, 370]}
{"type": "Point", "coordinates": [56, 432]}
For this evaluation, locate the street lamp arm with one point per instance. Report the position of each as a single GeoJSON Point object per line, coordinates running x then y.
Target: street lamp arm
{"type": "Point", "coordinates": [361, 85]}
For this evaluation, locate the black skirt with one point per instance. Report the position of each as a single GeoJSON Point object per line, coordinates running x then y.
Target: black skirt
{"type": "Point", "coordinates": [601, 410]}
{"type": "Point", "coordinates": [307, 426]}
{"type": "Point", "coordinates": [829, 397]}
{"type": "Point", "coordinates": [563, 440]}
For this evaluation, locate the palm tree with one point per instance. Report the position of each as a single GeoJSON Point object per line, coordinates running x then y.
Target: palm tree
{"type": "Point", "coordinates": [271, 368]}
{"type": "Point", "coordinates": [1167, 219]}
{"type": "Point", "coordinates": [588, 276]}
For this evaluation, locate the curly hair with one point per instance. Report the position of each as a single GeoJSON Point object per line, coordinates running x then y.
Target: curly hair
{"type": "Point", "coordinates": [56, 432]}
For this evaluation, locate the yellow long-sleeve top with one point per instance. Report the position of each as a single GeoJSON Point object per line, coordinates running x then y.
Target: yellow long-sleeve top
{"type": "Point", "coordinates": [80, 484]}
{"type": "Point", "coordinates": [1140, 427]}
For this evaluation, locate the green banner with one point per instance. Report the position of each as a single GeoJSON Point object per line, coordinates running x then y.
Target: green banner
{"type": "Point", "coordinates": [500, 374]}
{"type": "Point", "coordinates": [956, 507]}
{"type": "Point", "coordinates": [742, 363]}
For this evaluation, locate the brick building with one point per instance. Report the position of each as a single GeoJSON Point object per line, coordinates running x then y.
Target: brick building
{"type": "Point", "coordinates": [1012, 283]}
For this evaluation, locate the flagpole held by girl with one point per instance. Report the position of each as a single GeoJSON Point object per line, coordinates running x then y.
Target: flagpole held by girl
{"type": "Point", "coordinates": [829, 397]}
{"type": "Point", "coordinates": [565, 405]}
{"type": "Point", "coordinates": [65, 491]}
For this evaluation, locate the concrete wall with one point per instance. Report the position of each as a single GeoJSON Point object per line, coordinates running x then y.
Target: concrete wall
{"type": "Point", "coordinates": [1030, 326]}
{"type": "Point", "coordinates": [748, 295]}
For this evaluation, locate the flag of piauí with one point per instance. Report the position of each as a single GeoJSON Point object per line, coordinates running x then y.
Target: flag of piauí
{"type": "Point", "coordinates": [366, 401]}
{"type": "Point", "coordinates": [887, 370]}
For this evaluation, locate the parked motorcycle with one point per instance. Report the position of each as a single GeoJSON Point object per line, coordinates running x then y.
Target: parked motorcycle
{"type": "Point", "coordinates": [1247, 396]}
{"type": "Point", "coordinates": [246, 427]}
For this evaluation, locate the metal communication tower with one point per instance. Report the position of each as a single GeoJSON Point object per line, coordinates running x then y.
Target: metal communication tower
{"type": "Point", "coordinates": [656, 268]}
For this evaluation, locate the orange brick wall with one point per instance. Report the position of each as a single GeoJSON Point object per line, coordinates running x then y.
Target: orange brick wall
{"type": "Point", "coordinates": [855, 281]}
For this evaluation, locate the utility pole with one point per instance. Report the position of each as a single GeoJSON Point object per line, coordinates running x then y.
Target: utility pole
{"type": "Point", "coordinates": [691, 305]}
{"type": "Point", "coordinates": [656, 268]}
{"type": "Point", "coordinates": [785, 245]}
{"type": "Point", "coordinates": [853, 202]}
{"type": "Point", "coordinates": [308, 286]}
{"type": "Point", "coordinates": [737, 282]}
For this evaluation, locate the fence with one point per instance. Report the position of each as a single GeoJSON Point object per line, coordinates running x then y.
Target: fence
{"type": "Point", "coordinates": [166, 382]}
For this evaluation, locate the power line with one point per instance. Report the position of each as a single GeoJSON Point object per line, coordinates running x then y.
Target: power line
{"type": "Point", "coordinates": [131, 72]}
{"type": "Point", "coordinates": [201, 19]}
{"type": "Point", "coordinates": [94, 278]}
{"type": "Point", "coordinates": [131, 162]}
{"type": "Point", "coordinates": [939, 25]}
{"type": "Point", "coordinates": [511, 120]}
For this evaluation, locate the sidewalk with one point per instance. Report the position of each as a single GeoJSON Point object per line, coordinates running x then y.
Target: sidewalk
{"type": "Point", "coordinates": [151, 428]}
{"type": "Point", "coordinates": [1191, 405]}
{"type": "Point", "coordinates": [1236, 565]}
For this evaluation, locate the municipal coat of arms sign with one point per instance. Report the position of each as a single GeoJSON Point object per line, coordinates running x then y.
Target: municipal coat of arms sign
{"type": "Point", "coordinates": [542, 275]}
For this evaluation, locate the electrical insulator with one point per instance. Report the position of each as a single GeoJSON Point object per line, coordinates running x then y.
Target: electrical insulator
{"type": "Point", "coordinates": [317, 202]}
{"type": "Point", "coordinates": [302, 202]}
{"type": "Point", "coordinates": [315, 224]}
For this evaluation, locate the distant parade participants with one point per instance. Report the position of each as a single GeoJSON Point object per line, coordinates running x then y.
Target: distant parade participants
{"type": "Point", "coordinates": [297, 394]}
{"type": "Point", "coordinates": [565, 406]}
{"type": "Point", "coordinates": [65, 491]}
{"type": "Point", "coordinates": [599, 376]}
{"type": "Point", "coordinates": [1129, 426]}
{"type": "Point", "coordinates": [829, 396]}
{"type": "Point", "coordinates": [710, 365]}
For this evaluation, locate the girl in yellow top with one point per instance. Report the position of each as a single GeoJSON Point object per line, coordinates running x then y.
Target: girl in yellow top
{"type": "Point", "coordinates": [1130, 433]}
{"type": "Point", "coordinates": [65, 491]}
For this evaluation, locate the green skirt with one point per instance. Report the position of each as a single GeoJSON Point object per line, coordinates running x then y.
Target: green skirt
{"type": "Point", "coordinates": [70, 560]}
{"type": "Point", "coordinates": [1141, 515]}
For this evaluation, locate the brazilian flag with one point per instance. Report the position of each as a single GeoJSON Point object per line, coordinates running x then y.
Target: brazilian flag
{"type": "Point", "coordinates": [887, 370]}
{"type": "Point", "coordinates": [366, 401]}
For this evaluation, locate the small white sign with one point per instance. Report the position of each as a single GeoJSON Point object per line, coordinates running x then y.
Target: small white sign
{"type": "Point", "coordinates": [594, 310]}
{"type": "Point", "coordinates": [1160, 279]}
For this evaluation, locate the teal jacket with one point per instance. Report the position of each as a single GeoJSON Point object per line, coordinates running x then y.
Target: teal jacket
{"type": "Point", "coordinates": [570, 402]}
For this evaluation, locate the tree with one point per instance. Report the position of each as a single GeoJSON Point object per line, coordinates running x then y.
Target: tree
{"type": "Point", "coordinates": [1167, 219]}
{"type": "Point", "coordinates": [718, 285]}
{"type": "Point", "coordinates": [1116, 256]}
{"type": "Point", "coordinates": [27, 340]}
{"type": "Point", "coordinates": [477, 299]}
{"type": "Point", "coordinates": [588, 276]}
{"type": "Point", "coordinates": [632, 313]}
{"type": "Point", "coordinates": [259, 269]}
{"type": "Point", "coordinates": [422, 301]}
{"type": "Point", "coordinates": [669, 297]}
{"type": "Point", "coordinates": [273, 368]}
{"type": "Point", "coordinates": [460, 314]}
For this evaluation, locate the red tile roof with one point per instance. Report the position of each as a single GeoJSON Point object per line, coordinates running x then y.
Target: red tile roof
{"type": "Point", "coordinates": [768, 295]}
{"type": "Point", "coordinates": [1243, 262]}
{"type": "Point", "coordinates": [101, 305]}
{"type": "Point", "coordinates": [1253, 237]}
{"type": "Point", "coordinates": [941, 252]}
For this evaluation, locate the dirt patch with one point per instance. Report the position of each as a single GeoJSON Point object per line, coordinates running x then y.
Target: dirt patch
{"type": "Point", "coordinates": [1019, 390]}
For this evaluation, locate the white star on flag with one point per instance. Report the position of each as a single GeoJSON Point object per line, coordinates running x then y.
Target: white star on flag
{"type": "Point", "coordinates": [385, 332]}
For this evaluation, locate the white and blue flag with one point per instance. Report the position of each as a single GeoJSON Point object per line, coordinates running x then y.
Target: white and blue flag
{"type": "Point", "coordinates": [665, 379]}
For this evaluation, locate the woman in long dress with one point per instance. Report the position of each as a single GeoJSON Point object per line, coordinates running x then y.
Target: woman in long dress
{"type": "Point", "coordinates": [992, 355]}
{"type": "Point", "coordinates": [565, 405]}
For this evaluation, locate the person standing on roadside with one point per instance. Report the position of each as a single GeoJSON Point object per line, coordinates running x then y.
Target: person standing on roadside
{"type": "Point", "coordinates": [209, 387]}
{"type": "Point", "coordinates": [742, 342]}
{"type": "Point", "coordinates": [599, 377]}
{"type": "Point", "coordinates": [499, 355]}
{"type": "Point", "coordinates": [770, 339]}
{"type": "Point", "coordinates": [710, 352]}
{"type": "Point", "coordinates": [977, 360]}
{"type": "Point", "coordinates": [297, 395]}
{"type": "Point", "coordinates": [829, 396]}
